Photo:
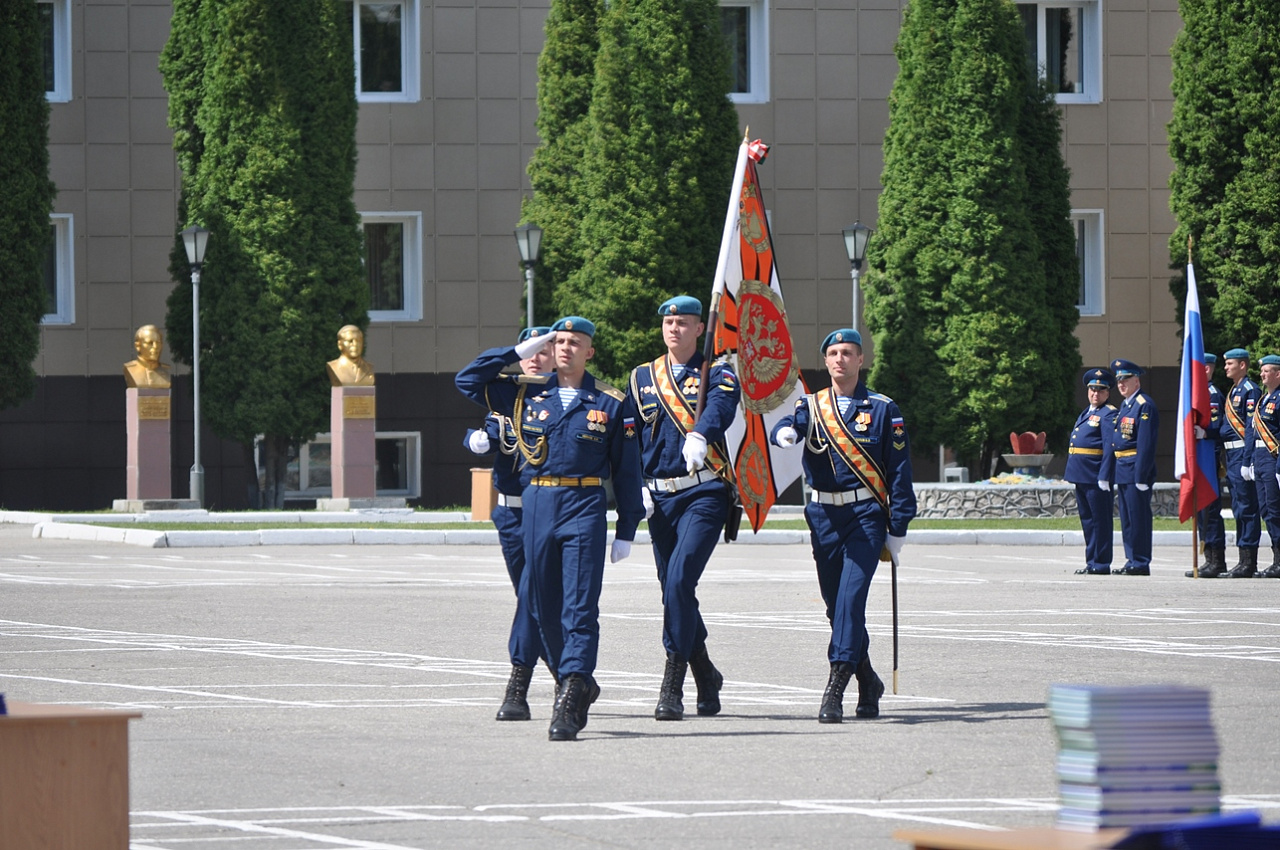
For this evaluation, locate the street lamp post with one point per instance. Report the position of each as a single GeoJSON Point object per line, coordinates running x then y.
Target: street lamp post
{"type": "Point", "coordinates": [195, 239]}
{"type": "Point", "coordinates": [856, 237]}
{"type": "Point", "coordinates": [529, 241]}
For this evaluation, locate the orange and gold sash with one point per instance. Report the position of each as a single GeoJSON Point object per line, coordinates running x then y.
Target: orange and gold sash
{"type": "Point", "coordinates": [1263, 431]}
{"type": "Point", "coordinates": [1234, 419]}
{"type": "Point", "coordinates": [838, 437]}
{"type": "Point", "coordinates": [681, 413]}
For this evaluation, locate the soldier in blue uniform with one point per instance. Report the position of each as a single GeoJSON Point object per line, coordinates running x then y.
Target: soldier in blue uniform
{"type": "Point", "coordinates": [858, 464]}
{"type": "Point", "coordinates": [1264, 435]}
{"type": "Point", "coordinates": [1213, 532]}
{"type": "Point", "coordinates": [498, 438]}
{"type": "Point", "coordinates": [1241, 402]}
{"type": "Point", "coordinates": [1090, 466]}
{"type": "Point", "coordinates": [689, 479]}
{"type": "Point", "coordinates": [572, 436]}
{"type": "Point", "coordinates": [1134, 444]}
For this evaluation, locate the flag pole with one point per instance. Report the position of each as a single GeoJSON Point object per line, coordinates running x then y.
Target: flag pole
{"type": "Point", "coordinates": [1195, 516]}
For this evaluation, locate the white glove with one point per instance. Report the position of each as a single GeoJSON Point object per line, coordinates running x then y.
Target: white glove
{"type": "Point", "coordinates": [1103, 484]}
{"type": "Point", "coordinates": [478, 442]}
{"type": "Point", "coordinates": [894, 545]}
{"type": "Point", "coordinates": [620, 551]}
{"type": "Point", "coordinates": [694, 451]}
{"type": "Point", "coordinates": [533, 345]}
{"type": "Point", "coordinates": [787, 437]}
{"type": "Point", "coordinates": [647, 498]}
{"type": "Point", "coordinates": [1246, 472]}
{"type": "Point", "coordinates": [1143, 487]}
{"type": "Point", "coordinates": [1278, 477]}
{"type": "Point", "coordinates": [1199, 432]}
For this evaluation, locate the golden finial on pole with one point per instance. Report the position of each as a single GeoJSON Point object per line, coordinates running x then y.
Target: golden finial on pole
{"type": "Point", "coordinates": [1189, 249]}
{"type": "Point", "coordinates": [746, 134]}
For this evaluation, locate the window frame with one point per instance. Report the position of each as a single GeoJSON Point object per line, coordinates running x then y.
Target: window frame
{"type": "Point", "coordinates": [412, 253]}
{"type": "Point", "coordinates": [413, 467]}
{"type": "Point", "coordinates": [1088, 41]}
{"type": "Point", "coordinates": [61, 92]}
{"type": "Point", "coordinates": [757, 49]}
{"type": "Point", "coordinates": [1095, 270]}
{"type": "Point", "coordinates": [64, 259]}
{"type": "Point", "coordinates": [410, 48]}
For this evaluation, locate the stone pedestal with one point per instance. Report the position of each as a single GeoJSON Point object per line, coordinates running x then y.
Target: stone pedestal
{"type": "Point", "coordinates": [353, 421]}
{"type": "Point", "coordinates": [147, 465]}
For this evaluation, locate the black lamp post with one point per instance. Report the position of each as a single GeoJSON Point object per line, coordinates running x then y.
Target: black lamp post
{"type": "Point", "coordinates": [195, 239]}
{"type": "Point", "coordinates": [529, 241]}
{"type": "Point", "coordinates": [856, 237]}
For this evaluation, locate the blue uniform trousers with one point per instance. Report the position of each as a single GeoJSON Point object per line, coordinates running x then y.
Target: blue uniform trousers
{"type": "Point", "coordinates": [685, 528]}
{"type": "Point", "coordinates": [847, 540]}
{"type": "Point", "coordinates": [1244, 502]}
{"type": "Point", "coordinates": [1213, 530]}
{"type": "Point", "coordinates": [1095, 508]}
{"type": "Point", "coordinates": [1264, 476]}
{"type": "Point", "coordinates": [564, 538]}
{"type": "Point", "coordinates": [525, 645]}
{"type": "Point", "coordinates": [1135, 524]}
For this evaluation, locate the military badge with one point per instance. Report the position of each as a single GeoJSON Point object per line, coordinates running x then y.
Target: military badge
{"type": "Point", "coordinates": [862, 421]}
{"type": "Point", "coordinates": [543, 414]}
{"type": "Point", "coordinates": [898, 428]}
{"type": "Point", "coordinates": [629, 428]}
{"type": "Point", "coordinates": [596, 420]}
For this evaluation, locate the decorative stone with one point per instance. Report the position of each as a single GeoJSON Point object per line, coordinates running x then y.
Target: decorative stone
{"type": "Point", "coordinates": [996, 501]}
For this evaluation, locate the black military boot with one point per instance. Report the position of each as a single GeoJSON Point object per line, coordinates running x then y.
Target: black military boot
{"type": "Point", "coordinates": [832, 710]}
{"type": "Point", "coordinates": [1272, 571]}
{"type": "Point", "coordinates": [709, 682]}
{"type": "Point", "coordinates": [671, 697]}
{"type": "Point", "coordinates": [1215, 562]}
{"type": "Point", "coordinates": [570, 714]}
{"type": "Point", "coordinates": [515, 705]}
{"type": "Point", "coordinates": [1247, 567]}
{"type": "Point", "coordinates": [870, 689]}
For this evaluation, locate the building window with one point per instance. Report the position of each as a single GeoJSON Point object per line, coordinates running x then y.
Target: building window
{"type": "Point", "coordinates": [308, 475]}
{"type": "Point", "coordinates": [1064, 41]}
{"type": "Point", "coordinates": [386, 45]}
{"type": "Point", "coordinates": [55, 35]}
{"type": "Point", "coordinates": [393, 265]}
{"type": "Point", "coordinates": [59, 273]}
{"type": "Point", "coordinates": [744, 24]}
{"type": "Point", "coordinates": [1090, 256]}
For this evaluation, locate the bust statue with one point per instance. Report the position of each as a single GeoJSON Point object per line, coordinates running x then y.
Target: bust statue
{"type": "Point", "coordinates": [147, 371]}
{"type": "Point", "coordinates": [350, 369]}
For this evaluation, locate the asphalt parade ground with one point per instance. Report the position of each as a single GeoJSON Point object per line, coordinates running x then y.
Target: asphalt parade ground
{"type": "Point", "coordinates": [307, 697]}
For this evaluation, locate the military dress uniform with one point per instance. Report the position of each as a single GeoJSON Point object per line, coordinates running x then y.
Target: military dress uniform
{"type": "Point", "coordinates": [1134, 445]}
{"type": "Point", "coordinates": [858, 467]}
{"type": "Point", "coordinates": [567, 453]}
{"type": "Point", "coordinates": [1090, 463]}
{"type": "Point", "coordinates": [1213, 532]}
{"type": "Point", "coordinates": [1264, 435]}
{"type": "Point", "coordinates": [1237, 448]}
{"type": "Point", "coordinates": [689, 508]}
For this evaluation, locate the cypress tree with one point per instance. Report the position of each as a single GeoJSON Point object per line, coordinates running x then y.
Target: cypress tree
{"type": "Point", "coordinates": [264, 111]}
{"type": "Point", "coordinates": [26, 196]}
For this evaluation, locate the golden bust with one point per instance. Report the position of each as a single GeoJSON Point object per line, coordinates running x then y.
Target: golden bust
{"type": "Point", "coordinates": [147, 371]}
{"type": "Point", "coordinates": [350, 369]}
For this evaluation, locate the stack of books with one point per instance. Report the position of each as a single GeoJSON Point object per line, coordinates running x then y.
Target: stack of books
{"type": "Point", "coordinates": [1130, 756]}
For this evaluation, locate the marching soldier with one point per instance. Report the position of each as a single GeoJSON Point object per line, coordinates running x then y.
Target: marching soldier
{"type": "Point", "coordinates": [572, 437]}
{"type": "Point", "coordinates": [689, 479]}
{"type": "Point", "coordinates": [858, 465]}
{"type": "Point", "coordinates": [1212, 530]}
{"type": "Point", "coordinates": [1264, 434]}
{"type": "Point", "coordinates": [1090, 466]}
{"type": "Point", "coordinates": [525, 644]}
{"type": "Point", "coordinates": [1134, 444]}
{"type": "Point", "coordinates": [1237, 446]}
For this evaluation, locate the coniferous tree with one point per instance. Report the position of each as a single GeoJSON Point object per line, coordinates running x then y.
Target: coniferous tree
{"type": "Point", "coordinates": [655, 177]}
{"type": "Point", "coordinates": [26, 196]}
{"type": "Point", "coordinates": [263, 108]}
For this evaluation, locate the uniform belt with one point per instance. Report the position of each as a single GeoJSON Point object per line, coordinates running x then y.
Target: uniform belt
{"type": "Point", "coordinates": [1076, 451]}
{"type": "Point", "coordinates": [1127, 453]}
{"type": "Point", "coordinates": [848, 497]}
{"type": "Point", "coordinates": [1260, 444]}
{"type": "Point", "coordinates": [508, 501]}
{"type": "Point", "coordinates": [558, 481]}
{"type": "Point", "coordinates": [1234, 444]}
{"type": "Point", "coordinates": [675, 485]}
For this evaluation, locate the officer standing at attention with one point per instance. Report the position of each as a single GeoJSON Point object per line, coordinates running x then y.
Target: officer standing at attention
{"type": "Point", "coordinates": [1242, 400]}
{"type": "Point", "coordinates": [858, 466]}
{"type": "Point", "coordinates": [498, 437]}
{"type": "Point", "coordinates": [689, 479]}
{"type": "Point", "coordinates": [1090, 466]}
{"type": "Point", "coordinates": [1264, 436]}
{"type": "Point", "coordinates": [572, 437]}
{"type": "Point", "coordinates": [1134, 444]}
{"type": "Point", "coordinates": [1213, 532]}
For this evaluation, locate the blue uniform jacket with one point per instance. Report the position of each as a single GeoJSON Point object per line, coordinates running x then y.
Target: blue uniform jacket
{"type": "Point", "coordinates": [1269, 410]}
{"type": "Point", "coordinates": [1243, 397]}
{"type": "Point", "coordinates": [661, 440]}
{"type": "Point", "coordinates": [1134, 440]}
{"type": "Point", "coordinates": [884, 441]}
{"type": "Point", "coordinates": [589, 440]}
{"type": "Point", "coordinates": [1090, 459]}
{"type": "Point", "coordinates": [506, 474]}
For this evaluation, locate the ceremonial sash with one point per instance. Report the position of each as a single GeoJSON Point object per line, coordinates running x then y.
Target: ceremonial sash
{"type": "Point", "coordinates": [673, 401]}
{"type": "Point", "coordinates": [836, 431]}
{"type": "Point", "coordinates": [1234, 419]}
{"type": "Point", "coordinates": [1261, 428]}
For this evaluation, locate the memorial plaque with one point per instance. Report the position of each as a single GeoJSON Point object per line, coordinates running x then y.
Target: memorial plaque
{"type": "Point", "coordinates": [153, 407]}
{"type": "Point", "coordinates": [359, 407]}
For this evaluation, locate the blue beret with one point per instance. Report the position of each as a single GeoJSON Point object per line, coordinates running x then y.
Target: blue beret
{"type": "Point", "coordinates": [530, 332]}
{"type": "Point", "coordinates": [1269, 360]}
{"type": "Point", "coordinates": [842, 335]}
{"type": "Point", "coordinates": [1099, 377]}
{"type": "Point", "coordinates": [576, 324]}
{"type": "Point", "coordinates": [1211, 359]}
{"type": "Point", "coordinates": [1235, 354]}
{"type": "Point", "coordinates": [681, 305]}
{"type": "Point", "coordinates": [1126, 369]}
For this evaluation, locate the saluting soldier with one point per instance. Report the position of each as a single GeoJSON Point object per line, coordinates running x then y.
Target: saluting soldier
{"type": "Point", "coordinates": [858, 466]}
{"type": "Point", "coordinates": [1213, 531]}
{"type": "Point", "coordinates": [1090, 466]}
{"type": "Point", "coordinates": [1237, 447]}
{"type": "Point", "coordinates": [689, 481]}
{"type": "Point", "coordinates": [1264, 434]}
{"type": "Point", "coordinates": [1134, 444]}
{"type": "Point", "coordinates": [572, 437]}
{"type": "Point", "coordinates": [498, 437]}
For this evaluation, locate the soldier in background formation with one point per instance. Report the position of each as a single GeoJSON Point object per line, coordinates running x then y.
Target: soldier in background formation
{"type": "Point", "coordinates": [1264, 435]}
{"type": "Point", "coordinates": [1134, 445]}
{"type": "Point", "coordinates": [1237, 449]}
{"type": "Point", "coordinates": [1213, 532]}
{"type": "Point", "coordinates": [1090, 465]}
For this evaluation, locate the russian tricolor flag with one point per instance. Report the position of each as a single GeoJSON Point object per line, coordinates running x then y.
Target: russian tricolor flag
{"type": "Point", "coordinates": [1193, 460]}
